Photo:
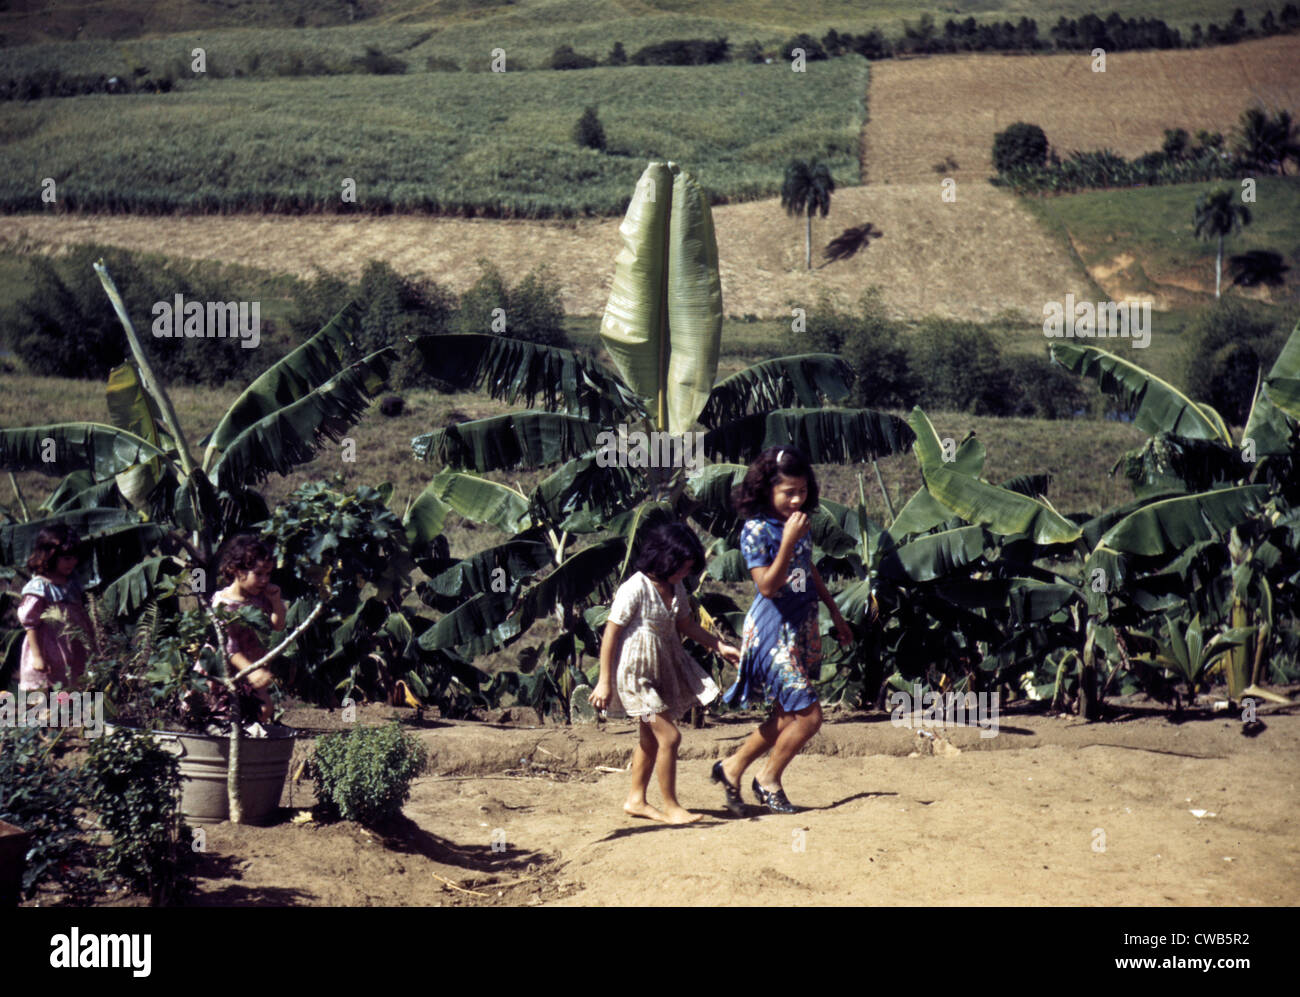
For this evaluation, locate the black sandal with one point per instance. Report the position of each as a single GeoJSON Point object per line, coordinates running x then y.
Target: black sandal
{"type": "Point", "coordinates": [776, 801]}
{"type": "Point", "coordinates": [734, 802]}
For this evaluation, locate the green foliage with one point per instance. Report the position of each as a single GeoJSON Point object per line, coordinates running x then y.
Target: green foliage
{"type": "Point", "coordinates": [365, 774]}
{"type": "Point", "coordinates": [134, 787]}
{"type": "Point", "coordinates": [41, 796]}
{"type": "Point", "coordinates": [589, 132]}
{"type": "Point", "coordinates": [376, 62]}
{"type": "Point", "coordinates": [393, 307]}
{"type": "Point", "coordinates": [1231, 342]}
{"type": "Point", "coordinates": [565, 58]}
{"type": "Point", "coordinates": [1041, 389]}
{"type": "Point", "coordinates": [960, 368]}
{"type": "Point", "coordinates": [67, 328]}
{"type": "Point", "coordinates": [683, 52]}
{"type": "Point", "coordinates": [871, 343]}
{"type": "Point", "coordinates": [532, 309]}
{"type": "Point", "coordinates": [1021, 145]}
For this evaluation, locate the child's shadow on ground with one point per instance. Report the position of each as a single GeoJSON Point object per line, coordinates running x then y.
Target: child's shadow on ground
{"type": "Point", "coordinates": [721, 818]}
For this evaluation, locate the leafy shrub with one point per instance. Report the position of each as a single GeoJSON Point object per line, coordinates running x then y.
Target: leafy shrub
{"type": "Point", "coordinates": [1041, 389]}
{"type": "Point", "coordinates": [1230, 343]}
{"type": "Point", "coordinates": [67, 326]}
{"type": "Point", "coordinates": [365, 774]}
{"type": "Point", "coordinates": [683, 52]}
{"type": "Point", "coordinates": [869, 342]}
{"type": "Point", "coordinates": [812, 48]}
{"type": "Point", "coordinates": [532, 309]}
{"type": "Point", "coordinates": [617, 55]}
{"type": "Point", "coordinates": [393, 307]}
{"type": "Point", "coordinates": [565, 58]}
{"type": "Point", "coordinates": [589, 132]}
{"type": "Point", "coordinates": [134, 787]}
{"type": "Point", "coordinates": [959, 368]}
{"type": "Point", "coordinates": [41, 797]}
{"type": "Point", "coordinates": [1020, 145]}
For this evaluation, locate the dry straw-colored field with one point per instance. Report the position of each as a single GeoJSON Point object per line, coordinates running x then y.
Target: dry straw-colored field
{"type": "Point", "coordinates": [968, 259]}
{"type": "Point", "coordinates": [923, 110]}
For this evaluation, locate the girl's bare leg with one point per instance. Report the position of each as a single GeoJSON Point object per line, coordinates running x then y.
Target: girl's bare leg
{"type": "Point", "coordinates": [795, 734]}
{"type": "Point", "coordinates": [643, 762]}
{"type": "Point", "coordinates": [669, 737]}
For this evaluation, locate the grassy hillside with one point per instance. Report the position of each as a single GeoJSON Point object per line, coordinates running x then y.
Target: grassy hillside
{"type": "Point", "coordinates": [496, 143]}
{"type": "Point", "coordinates": [585, 21]}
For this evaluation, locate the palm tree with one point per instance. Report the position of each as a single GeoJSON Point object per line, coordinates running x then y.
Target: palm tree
{"type": "Point", "coordinates": [807, 188]}
{"type": "Point", "coordinates": [1265, 142]}
{"type": "Point", "coordinates": [1217, 215]}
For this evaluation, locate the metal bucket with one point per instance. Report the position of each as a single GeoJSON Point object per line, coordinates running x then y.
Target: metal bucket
{"type": "Point", "coordinates": [263, 765]}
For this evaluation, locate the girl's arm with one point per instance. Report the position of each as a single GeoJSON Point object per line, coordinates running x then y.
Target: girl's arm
{"type": "Point", "coordinates": [687, 627]}
{"type": "Point", "coordinates": [599, 697]}
{"type": "Point", "coordinates": [34, 650]}
{"type": "Point", "coordinates": [278, 613]}
{"type": "Point", "coordinates": [842, 631]}
{"type": "Point", "coordinates": [772, 578]}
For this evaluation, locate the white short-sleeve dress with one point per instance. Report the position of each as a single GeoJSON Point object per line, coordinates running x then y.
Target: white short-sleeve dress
{"type": "Point", "coordinates": [655, 674]}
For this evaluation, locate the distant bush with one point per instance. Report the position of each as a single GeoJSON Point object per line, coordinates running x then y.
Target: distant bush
{"type": "Point", "coordinates": [531, 310]}
{"type": "Point", "coordinates": [959, 368]}
{"type": "Point", "coordinates": [617, 55]}
{"type": "Point", "coordinates": [683, 52]}
{"type": "Point", "coordinates": [1021, 145]}
{"type": "Point", "coordinates": [67, 326]}
{"type": "Point", "coordinates": [869, 342]}
{"type": "Point", "coordinates": [589, 132]}
{"type": "Point", "coordinates": [1230, 343]}
{"type": "Point", "coordinates": [1041, 389]}
{"type": "Point", "coordinates": [565, 58]}
{"type": "Point", "coordinates": [366, 773]}
{"type": "Point", "coordinates": [812, 49]}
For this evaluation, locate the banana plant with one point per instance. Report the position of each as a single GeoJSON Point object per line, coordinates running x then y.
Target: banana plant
{"type": "Point", "coordinates": [1188, 653]}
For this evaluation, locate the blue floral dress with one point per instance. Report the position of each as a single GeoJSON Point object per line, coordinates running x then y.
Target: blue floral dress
{"type": "Point", "coordinates": [782, 649]}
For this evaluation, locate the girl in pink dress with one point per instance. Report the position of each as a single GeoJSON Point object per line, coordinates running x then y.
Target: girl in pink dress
{"type": "Point", "coordinates": [246, 563]}
{"type": "Point", "coordinates": [51, 611]}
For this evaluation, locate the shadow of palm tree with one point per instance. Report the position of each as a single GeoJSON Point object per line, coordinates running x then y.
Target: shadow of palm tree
{"type": "Point", "coordinates": [848, 242]}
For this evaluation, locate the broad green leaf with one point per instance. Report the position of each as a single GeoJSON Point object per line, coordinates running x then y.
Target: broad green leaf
{"type": "Point", "coordinates": [479, 500]}
{"type": "Point", "coordinates": [922, 513]}
{"type": "Point", "coordinates": [582, 495]}
{"type": "Point", "coordinates": [663, 321]}
{"type": "Point", "coordinates": [1174, 524]}
{"type": "Point", "coordinates": [802, 381]}
{"type": "Point", "coordinates": [1157, 406]}
{"type": "Point", "coordinates": [826, 436]}
{"type": "Point", "coordinates": [62, 448]}
{"type": "Point", "coordinates": [935, 555]}
{"type": "Point", "coordinates": [151, 579]}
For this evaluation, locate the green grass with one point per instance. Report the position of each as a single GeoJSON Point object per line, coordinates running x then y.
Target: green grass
{"type": "Point", "coordinates": [499, 143]}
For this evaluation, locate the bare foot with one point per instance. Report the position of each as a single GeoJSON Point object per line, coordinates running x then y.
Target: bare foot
{"type": "Point", "coordinates": [643, 809]}
{"type": "Point", "coordinates": [680, 815]}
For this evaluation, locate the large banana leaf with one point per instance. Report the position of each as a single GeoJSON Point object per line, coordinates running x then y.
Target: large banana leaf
{"type": "Point", "coordinates": [922, 513]}
{"type": "Point", "coordinates": [478, 627]}
{"type": "Point", "coordinates": [1003, 511]}
{"type": "Point", "coordinates": [1157, 406]}
{"type": "Point", "coordinates": [801, 381]}
{"type": "Point", "coordinates": [79, 490]}
{"type": "Point", "coordinates": [512, 369]}
{"type": "Point", "coordinates": [1176, 523]}
{"type": "Point", "coordinates": [518, 439]}
{"type": "Point", "coordinates": [425, 518]}
{"type": "Point", "coordinates": [290, 379]}
{"type": "Point", "coordinates": [475, 499]}
{"type": "Point", "coordinates": [16, 539]}
{"type": "Point", "coordinates": [1283, 380]}
{"type": "Point", "coordinates": [588, 572]}
{"type": "Point", "coordinates": [582, 496]}
{"type": "Point", "coordinates": [935, 555]}
{"type": "Point", "coordinates": [518, 559]}
{"type": "Point", "coordinates": [1272, 421]}
{"type": "Point", "coordinates": [62, 448]}
{"type": "Point", "coordinates": [293, 434]}
{"type": "Point", "coordinates": [135, 410]}
{"type": "Point", "coordinates": [711, 488]}
{"type": "Point", "coordinates": [826, 436]}
{"type": "Point", "coordinates": [663, 321]}
{"type": "Point", "coordinates": [151, 579]}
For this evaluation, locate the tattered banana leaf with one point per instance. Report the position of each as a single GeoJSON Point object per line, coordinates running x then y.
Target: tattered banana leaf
{"type": "Point", "coordinates": [153, 578]}
{"type": "Point", "coordinates": [517, 560]}
{"type": "Point", "coordinates": [806, 380]}
{"type": "Point", "coordinates": [593, 571]}
{"type": "Point", "coordinates": [828, 536]}
{"type": "Point", "coordinates": [1157, 406]}
{"type": "Point", "coordinates": [1167, 463]}
{"type": "Point", "coordinates": [293, 434]}
{"type": "Point", "coordinates": [475, 499]}
{"type": "Point", "coordinates": [424, 519]}
{"type": "Point", "coordinates": [288, 380]}
{"type": "Point", "coordinates": [935, 555]}
{"type": "Point", "coordinates": [511, 370]}
{"type": "Point", "coordinates": [728, 566]}
{"type": "Point", "coordinates": [1175, 523]}
{"type": "Point", "coordinates": [517, 439]}
{"type": "Point", "coordinates": [663, 321]}
{"type": "Point", "coordinates": [16, 539]}
{"type": "Point", "coordinates": [480, 626]}
{"type": "Point", "coordinates": [826, 436]}
{"type": "Point", "coordinates": [1033, 485]}
{"type": "Point", "coordinates": [582, 496]}
{"type": "Point", "coordinates": [711, 488]}
{"type": "Point", "coordinates": [61, 448]}
{"type": "Point", "coordinates": [79, 490]}
{"type": "Point", "coordinates": [1271, 425]}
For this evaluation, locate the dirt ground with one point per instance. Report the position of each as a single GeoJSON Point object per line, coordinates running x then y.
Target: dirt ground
{"type": "Point", "coordinates": [1142, 810]}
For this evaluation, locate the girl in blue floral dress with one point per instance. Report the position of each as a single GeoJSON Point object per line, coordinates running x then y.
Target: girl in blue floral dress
{"type": "Point", "coordinates": [781, 653]}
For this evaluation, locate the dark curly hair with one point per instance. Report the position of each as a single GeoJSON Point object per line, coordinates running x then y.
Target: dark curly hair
{"type": "Point", "coordinates": [52, 541]}
{"type": "Point", "coordinates": [666, 548]}
{"type": "Point", "coordinates": [242, 552]}
{"type": "Point", "coordinates": [753, 496]}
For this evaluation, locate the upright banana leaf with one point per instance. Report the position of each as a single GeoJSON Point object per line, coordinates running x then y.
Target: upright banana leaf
{"type": "Point", "coordinates": [475, 499]}
{"type": "Point", "coordinates": [663, 320]}
{"type": "Point", "coordinates": [1271, 425]}
{"type": "Point", "coordinates": [801, 381]}
{"type": "Point", "coordinates": [1157, 406]}
{"type": "Point", "coordinates": [135, 410]}
{"type": "Point", "coordinates": [827, 436]}
{"type": "Point", "coordinates": [518, 439]}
